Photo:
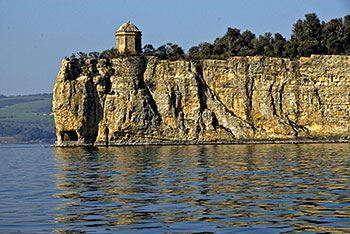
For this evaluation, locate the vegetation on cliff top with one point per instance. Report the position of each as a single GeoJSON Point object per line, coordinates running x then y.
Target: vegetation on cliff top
{"type": "Point", "coordinates": [309, 36]}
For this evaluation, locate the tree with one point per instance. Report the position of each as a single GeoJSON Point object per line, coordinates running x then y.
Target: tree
{"type": "Point", "coordinates": [170, 51]}
{"type": "Point", "coordinates": [263, 46]}
{"type": "Point", "coordinates": [306, 37]}
{"type": "Point", "coordinates": [82, 55]}
{"type": "Point", "coordinates": [229, 44]}
{"type": "Point", "coordinates": [110, 53]}
{"type": "Point", "coordinates": [148, 49]}
{"type": "Point", "coordinates": [194, 52]}
{"type": "Point", "coordinates": [161, 52]}
{"type": "Point", "coordinates": [332, 34]}
{"type": "Point", "coordinates": [94, 55]}
{"type": "Point", "coordinates": [217, 49]}
{"type": "Point", "coordinates": [203, 51]}
{"type": "Point", "coordinates": [246, 46]}
{"type": "Point", "coordinates": [206, 49]}
{"type": "Point", "coordinates": [278, 45]}
{"type": "Point", "coordinates": [346, 35]}
{"type": "Point", "coordinates": [292, 45]}
{"type": "Point", "coordinates": [73, 56]}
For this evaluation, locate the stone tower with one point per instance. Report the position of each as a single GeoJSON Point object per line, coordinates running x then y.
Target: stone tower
{"type": "Point", "coordinates": [128, 38]}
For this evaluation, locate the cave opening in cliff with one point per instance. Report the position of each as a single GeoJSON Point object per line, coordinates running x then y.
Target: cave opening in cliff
{"type": "Point", "coordinates": [69, 135]}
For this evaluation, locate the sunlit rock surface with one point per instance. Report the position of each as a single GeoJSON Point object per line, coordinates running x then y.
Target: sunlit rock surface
{"type": "Point", "coordinates": [144, 100]}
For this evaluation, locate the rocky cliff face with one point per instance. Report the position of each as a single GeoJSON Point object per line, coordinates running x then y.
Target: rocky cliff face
{"type": "Point", "coordinates": [143, 100]}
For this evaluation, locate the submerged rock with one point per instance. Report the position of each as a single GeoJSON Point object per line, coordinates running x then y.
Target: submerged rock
{"type": "Point", "coordinates": [144, 100]}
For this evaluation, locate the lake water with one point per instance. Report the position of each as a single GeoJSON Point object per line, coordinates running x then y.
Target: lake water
{"type": "Point", "coordinates": [176, 189]}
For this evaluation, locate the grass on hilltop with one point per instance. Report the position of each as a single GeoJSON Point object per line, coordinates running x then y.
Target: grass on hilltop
{"type": "Point", "coordinates": [26, 119]}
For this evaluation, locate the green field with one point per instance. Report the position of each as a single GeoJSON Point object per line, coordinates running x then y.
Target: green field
{"type": "Point", "coordinates": [26, 119]}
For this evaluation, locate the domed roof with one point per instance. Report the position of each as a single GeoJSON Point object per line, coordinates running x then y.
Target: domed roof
{"type": "Point", "coordinates": [128, 27]}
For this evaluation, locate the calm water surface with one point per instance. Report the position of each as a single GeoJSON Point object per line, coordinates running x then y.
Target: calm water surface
{"type": "Point", "coordinates": [176, 189]}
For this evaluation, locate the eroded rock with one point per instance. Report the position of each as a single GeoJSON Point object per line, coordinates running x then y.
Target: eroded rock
{"type": "Point", "coordinates": [144, 100]}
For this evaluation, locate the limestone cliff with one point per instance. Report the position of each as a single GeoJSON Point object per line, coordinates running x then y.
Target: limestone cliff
{"type": "Point", "coordinates": [143, 100]}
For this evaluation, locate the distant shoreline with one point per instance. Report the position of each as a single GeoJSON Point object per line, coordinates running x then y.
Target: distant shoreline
{"type": "Point", "coordinates": [10, 140]}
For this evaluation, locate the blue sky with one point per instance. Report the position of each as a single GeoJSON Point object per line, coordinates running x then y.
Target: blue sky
{"type": "Point", "coordinates": [37, 34]}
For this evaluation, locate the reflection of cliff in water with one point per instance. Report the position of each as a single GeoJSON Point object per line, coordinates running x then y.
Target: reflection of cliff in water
{"type": "Point", "coordinates": [289, 187]}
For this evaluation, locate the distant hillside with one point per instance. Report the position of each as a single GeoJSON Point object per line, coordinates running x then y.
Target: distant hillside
{"type": "Point", "coordinates": [26, 119]}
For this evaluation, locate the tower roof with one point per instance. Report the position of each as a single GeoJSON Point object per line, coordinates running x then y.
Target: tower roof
{"type": "Point", "coordinates": [128, 27]}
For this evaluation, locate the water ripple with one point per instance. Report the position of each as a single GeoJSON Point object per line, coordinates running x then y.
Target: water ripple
{"type": "Point", "coordinates": [218, 189]}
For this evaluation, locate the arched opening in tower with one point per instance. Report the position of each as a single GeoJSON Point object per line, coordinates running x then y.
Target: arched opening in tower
{"type": "Point", "coordinates": [69, 135]}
